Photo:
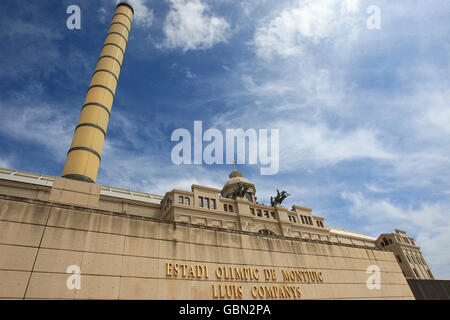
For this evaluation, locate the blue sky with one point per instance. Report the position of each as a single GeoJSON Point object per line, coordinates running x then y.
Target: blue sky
{"type": "Point", "coordinates": [364, 115]}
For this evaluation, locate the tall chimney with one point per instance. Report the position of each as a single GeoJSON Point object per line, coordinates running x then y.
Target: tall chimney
{"type": "Point", "coordinates": [83, 158]}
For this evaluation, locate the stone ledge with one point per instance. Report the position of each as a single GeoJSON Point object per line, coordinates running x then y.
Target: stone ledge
{"type": "Point", "coordinates": [75, 192]}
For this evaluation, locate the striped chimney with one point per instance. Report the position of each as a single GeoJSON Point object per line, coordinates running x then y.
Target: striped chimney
{"type": "Point", "coordinates": [83, 158]}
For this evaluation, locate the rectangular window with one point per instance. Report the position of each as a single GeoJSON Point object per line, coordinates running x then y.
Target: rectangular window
{"type": "Point", "coordinates": [230, 208]}
{"type": "Point", "coordinates": [259, 213]}
{"type": "Point", "coordinates": [252, 211]}
{"type": "Point", "coordinates": [180, 199]}
{"type": "Point", "coordinates": [294, 219]}
{"type": "Point", "coordinates": [303, 219]}
{"type": "Point", "coordinates": [187, 201]}
{"type": "Point", "coordinates": [225, 207]}
{"type": "Point", "coordinates": [206, 203]}
{"type": "Point", "coordinates": [310, 221]}
{"type": "Point", "coordinates": [213, 204]}
{"type": "Point", "coordinates": [273, 214]}
{"type": "Point", "coordinates": [200, 201]}
{"type": "Point", "coordinates": [266, 214]}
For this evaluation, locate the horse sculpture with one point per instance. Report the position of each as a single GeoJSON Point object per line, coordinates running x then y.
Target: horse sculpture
{"type": "Point", "coordinates": [279, 198]}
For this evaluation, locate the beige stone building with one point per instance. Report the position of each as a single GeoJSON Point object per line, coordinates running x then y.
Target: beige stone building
{"type": "Point", "coordinates": [197, 244]}
{"type": "Point", "coordinates": [70, 238]}
{"type": "Point", "coordinates": [407, 253]}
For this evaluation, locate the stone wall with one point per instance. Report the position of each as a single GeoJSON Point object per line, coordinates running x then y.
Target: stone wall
{"type": "Point", "coordinates": [128, 257]}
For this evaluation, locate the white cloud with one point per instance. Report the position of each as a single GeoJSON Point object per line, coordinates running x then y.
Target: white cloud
{"type": "Point", "coordinates": [310, 22]}
{"type": "Point", "coordinates": [427, 222]}
{"type": "Point", "coordinates": [312, 144]}
{"type": "Point", "coordinates": [301, 105]}
{"type": "Point", "coordinates": [375, 188]}
{"type": "Point", "coordinates": [40, 124]}
{"type": "Point", "coordinates": [183, 70]}
{"type": "Point", "coordinates": [438, 113]}
{"type": "Point", "coordinates": [147, 172]}
{"type": "Point", "coordinates": [302, 87]}
{"type": "Point", "coordinates": [319, 145]}
{"type": "Point", "coordinates": [4, 163]}
{"type": "Point", "coordinates": [190, 25]}
{"type": "Point", "coordinates": [269, 88]}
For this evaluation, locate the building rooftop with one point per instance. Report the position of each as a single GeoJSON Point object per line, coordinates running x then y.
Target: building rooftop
{"type": "Point", "coordinates": [114, 192]}
{"type": "Point", "coordinates": [351, 233]}
{"type": "Point", "coordinates": [43, 180]}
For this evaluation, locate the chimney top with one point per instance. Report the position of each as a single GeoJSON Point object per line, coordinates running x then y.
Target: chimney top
{"type": "Point", "coordinates": [126, 3]}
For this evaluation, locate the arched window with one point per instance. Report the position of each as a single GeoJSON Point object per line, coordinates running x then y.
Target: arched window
{"type": "Point", "coordinates": [266, 232]}
{"type": "Point", "coordinates": [385, 241]}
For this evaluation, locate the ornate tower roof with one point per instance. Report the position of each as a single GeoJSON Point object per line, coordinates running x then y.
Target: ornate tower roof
{"type": "Point", "coordinates": [236, 179]}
